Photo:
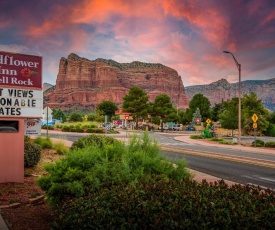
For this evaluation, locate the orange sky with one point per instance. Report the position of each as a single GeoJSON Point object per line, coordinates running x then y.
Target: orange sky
{"type": "Point", "coordinates": [188, 36]}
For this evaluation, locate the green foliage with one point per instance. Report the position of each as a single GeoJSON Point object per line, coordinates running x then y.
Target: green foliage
{"type": "Point", "coordinates": [204, 105]}
{"type": "Point", "coordinates": [65, 128]}
{"type": "Point", "coordinates": [270, 131]}
{"type": "Point", "coordinates": [59, 115]}
{"type": "Point", "coordinates": [258, 143]}
{"type": "Point", "coordinates": [93, 130]}
{"type": "Point", "coordinates": [49, 127]}
{"type": "Point", "coordinates": [250, 105]}
{"type": "Point", "coordinates": [216, 139]}
{"type": "Point", "coordinates": [224, 142]}
{"type": "Point", "coordinates": [26, 139]}
{"type": "Point", "coordinates": [136, 103]}
{"type": "Point", "coordinates": [45, 143]}
{"type": "Point", "coordinates": [158, 203]}
{"type": "Point", "coordinates": [229, 117]}
{"type": "Point", "coordinates": [99, 166]}
{"type": "Point", "coordinates": [93, 140]}
{"type": "Point", "coordinates": [32, 154]}
{"type": "Point", "coordinates": [196, 137]}
{"type": "Point", "coordinates": [107, 108]}
{"type": "Point", "coordinates": [76, 117]}
{"type": "Point", "coordinates": [197, 114]}
{"type": "Point", "coordinates": [163, 108]}
{"type": "Point", "coordinates": [60, 148]}
{"type": "Point", "coordinates": [270, 144]}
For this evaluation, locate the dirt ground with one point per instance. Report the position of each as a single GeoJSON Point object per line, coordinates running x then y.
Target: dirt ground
{"type": "Point", "coordinates": [27, 215]}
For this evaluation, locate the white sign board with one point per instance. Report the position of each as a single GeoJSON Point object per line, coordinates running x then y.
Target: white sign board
{"type": "Point", "coordinates": [21, 102]}
{"type": "Point", "coordinates": [33, 127]}
{"type": "Point", "coordinates": [47, 110]}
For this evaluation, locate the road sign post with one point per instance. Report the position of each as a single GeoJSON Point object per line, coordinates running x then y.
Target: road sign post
{"type": "Point", "coordinates": [254, 119]}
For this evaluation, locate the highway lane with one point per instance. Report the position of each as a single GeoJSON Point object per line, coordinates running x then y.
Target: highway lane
{"type": "Point", "coordinates": [230, 170]}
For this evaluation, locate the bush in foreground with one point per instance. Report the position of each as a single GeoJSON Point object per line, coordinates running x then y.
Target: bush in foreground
{"type": "Point", "coordinates": [161, 203]}
{"type": "Point", "coordinates": [95, 164]}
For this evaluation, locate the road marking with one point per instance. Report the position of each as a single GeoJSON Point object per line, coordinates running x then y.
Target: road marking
{"type": "Point", "coordinates": [245, 160]}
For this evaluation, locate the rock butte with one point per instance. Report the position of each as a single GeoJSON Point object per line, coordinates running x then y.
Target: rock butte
{"type": "Point", "coordinates": [83, 84]}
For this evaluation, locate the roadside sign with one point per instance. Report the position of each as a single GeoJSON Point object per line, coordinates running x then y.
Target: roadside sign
{"type": "Point", "coordinates": [254, 117]}
{"type": "Point", "coordinates": [198, 120]}
{"type": "Point", "coordinates": [126, 117]}
{"type": "Point", "coordinates": [208, 121]}
{"type": "Point", "coordinates": [254, 125]}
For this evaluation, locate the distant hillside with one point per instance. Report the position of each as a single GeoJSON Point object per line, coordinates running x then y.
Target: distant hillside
{"type": "Point", "coordinates": [223, 90]}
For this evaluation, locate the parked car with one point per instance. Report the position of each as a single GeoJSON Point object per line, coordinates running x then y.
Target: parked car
{"type": "Point", "coordinates": [177, 127]}
{"type": "Point", "coordinates": [190, 128]}
{"type": "Point", "coordinates": [165, 127]}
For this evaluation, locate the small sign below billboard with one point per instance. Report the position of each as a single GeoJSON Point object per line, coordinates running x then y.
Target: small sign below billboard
{"type": "Point", "coordinates": [33, 127]}
{"type": "Point", "coordinates": [20, 102]}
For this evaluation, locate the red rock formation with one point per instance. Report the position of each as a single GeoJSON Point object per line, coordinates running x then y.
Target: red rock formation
{"type": "Point", "coordinates": [82, 83]}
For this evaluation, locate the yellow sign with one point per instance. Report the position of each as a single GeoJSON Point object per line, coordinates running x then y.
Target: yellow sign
{"type": "Point", "coordinates": [254, 125]}
{"type": "Point", "coordinates": [86, 117]}
{"type": "Point", "coordinates": [208, 121]}
{"type": "Point", "coordinates": [254, 117]}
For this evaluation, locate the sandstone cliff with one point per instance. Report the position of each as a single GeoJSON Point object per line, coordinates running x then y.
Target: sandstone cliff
{"type": "Point", "coordinates": [223, 90]}
{"type": "Point", "coordinates": [82, 83]}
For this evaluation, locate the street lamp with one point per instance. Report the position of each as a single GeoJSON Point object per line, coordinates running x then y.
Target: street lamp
{"type": "Point", "coordinates": [239, 112]}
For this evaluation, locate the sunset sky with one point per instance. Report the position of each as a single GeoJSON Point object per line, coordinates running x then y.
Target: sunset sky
{"type": "Point", "coordinates": [186, 35]}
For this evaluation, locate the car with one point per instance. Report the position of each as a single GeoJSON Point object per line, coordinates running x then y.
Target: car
{"type": "Point", "coordinates": [8, 129]}
{"type": "Point", "coordinates": [190, 128]}
{"type": "Point", "coordinates": [164, 127]}
{"type": "Point", "coordinates": [177, 127]}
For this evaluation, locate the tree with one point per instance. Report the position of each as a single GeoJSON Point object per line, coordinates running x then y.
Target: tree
{"type": "Point", "coordinates": [250, 105]}
{"type": "Point", "coordinates": [196, 115]}
{"type": "Point", "coordinates": [201, 102]}
{"type": "Point", "coordinates": [229, 117]}
{"type": "Point", "coordinates": [163, 108]}
{"type": "Point", "coordinates": [59, 114]}
{"type": "Point", "coordinates": [216, 110]}
{"type": "Point", "coordinates": [107, 108]}
{"type": "Point", "coordinates": [136, 103]}
{"type": "Point", "coordinates": [76, 117]}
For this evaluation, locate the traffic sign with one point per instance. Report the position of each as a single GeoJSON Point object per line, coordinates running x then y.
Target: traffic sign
{"type": "Point", "coordinates": [254, 125]}
{"type": "Point", "coordinates": [126, 117]}
{"type": "Point", "coordinates": [108, 126]}
{"type": "Point", "coordinates": [208, 121]}
{"type": "Point", "coordinates": [198, 120]}
{"type": "Point", "coordinates": [254, 117]}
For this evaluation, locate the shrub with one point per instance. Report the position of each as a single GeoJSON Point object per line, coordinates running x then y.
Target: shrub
{"type": "Point", "coordinates": [270, 131]}
{"type": "Point", "coordinates": [258, 143]}
{"type": "Point", "coordinates": [216, 139]}
{"type": "Point", "coordinates": [93, 130]}
{"type": "Point", "coordinates": [26, 139]}
{"type": "Point", "coordinates": [49, 127]}
{"type": "Point", "coordinates": [76, 117]}
{"type": "Point", "coordinates": [73, 129]}
{"type": "Point", "coordinates": [224, 142]}
{"type": "Point", "coordinates": [45, 143]}
{"type": "Point", "coordinates": [93, 140]}
{"type": "Point", "coordinates": [196, 137]}
{"type": "Point", "coordinates": [270, 144]}
{"type": "Point", "coordinates": [101, 165]}
{"type": "Point", "coordinates": [60, 148]}
{"type": "Point", "coordinates": [65, 128]}
{"type": "Point", "coordinates": [170, 204]}
{"type": "Point", "coordinates": [79, 130]}
{"type": "Point", "coordinates": [32, 154]}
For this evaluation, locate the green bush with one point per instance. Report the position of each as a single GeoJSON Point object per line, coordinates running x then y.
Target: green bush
{"type": "Point", "coordinates": [270, 144]}
{"type": "Point", "coordinates": [73, 129]}
{"type": "Point", "coordinates": [270, 131]}
{"type": "Point", "coordinates": [101, 165]}
{"type": "Point", "coordinates": [49, 127]}
{"type": "Point", "coordinates": [158, 203]}
{"type": "Point", "coordinates": [26, 139]}
{"type": "Point", "coordinates": [65, 128]}
{"type": "Point", "coordinates": [216, 139]}
{"type": "Point", "coordinates": [258, 143]}
{"type": "Point", "coordinates": [32, 154]}
{"type": "Point", "coordinates": [76, 117]}
{"type": "Point", "coordinates": [45, 143]}
{"type": "Point", "coordinates": [79, 130]}
{"type": "Point", "coordinates": [196, 137]}
{"type": "Point", "coordinates": [93, 140]}
{"type": "Point", "coordinates": [224, 142]}
{"type": "Point", "coordinates": [94, 130]}
{"type": "Point", "coordinates": [60, 148]}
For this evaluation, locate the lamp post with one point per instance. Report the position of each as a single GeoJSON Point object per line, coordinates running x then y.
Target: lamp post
{"type": "Point", "coordinates": [239, 111]}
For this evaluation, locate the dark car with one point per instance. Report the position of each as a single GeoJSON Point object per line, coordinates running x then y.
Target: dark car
{"type": "Point", "coordinates": [189, 128]}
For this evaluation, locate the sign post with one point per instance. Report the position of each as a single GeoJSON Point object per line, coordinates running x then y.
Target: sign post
{"type": "Point", "coordinates": [255, 125]}
{"type": "Point", "coordinates": [21, 98]}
